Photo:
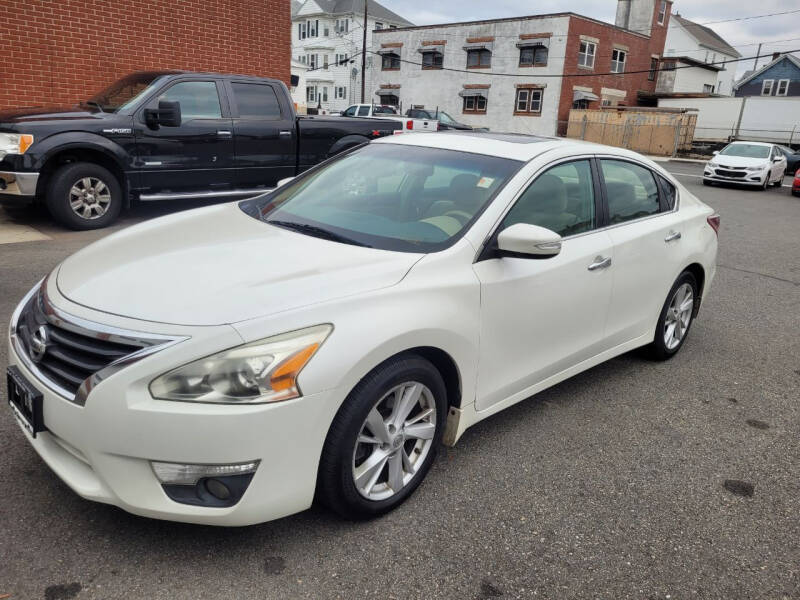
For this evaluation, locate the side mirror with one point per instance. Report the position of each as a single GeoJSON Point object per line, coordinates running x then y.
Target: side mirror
{"type": "Point", "coordinates": [284, 181]}
{"type": "Point", "coordinates": [777, 159]}
{"type": "Point", "coordinates": [528, 241]}
{"type": "Point", "coordinates": [167, 115]}
{"type": "Point", "coordinates": [715, 152]}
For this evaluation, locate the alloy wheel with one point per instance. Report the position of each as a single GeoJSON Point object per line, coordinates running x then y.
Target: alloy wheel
{"type": "Point", "coordinates": [394, 440]}
{"type": "Point", "coordinates": [678, 317]}
{"type": "Point", "coordinates": [89, 198]}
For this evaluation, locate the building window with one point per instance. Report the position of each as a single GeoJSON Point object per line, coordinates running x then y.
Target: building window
{"type": "Point", "coordinates": [766, 87]}
{"type": "Point", "coordinates": [325, 94]}
{"type": "Point", "coordinates": [311, 93]}
{"type": "Point", "coordinates": [528, 101]}
{"type": "Point", "coordinates": [432, 60]}
{"type": "Point", "coordinates": [662, 11]}
{"type": "Point", "coordinates": [378, 25]}
{"type": "Point", "coordinates": [389, 99]}
{"type": "Point", "coordinates": [340, 91]}
{"type": "Point", "coordinates": [606, 102]}
{"type": "Point", "coordinates": [581, 104]}
{"type": "Point", "coordinates": [651, 75]}
{"type": "Point", "coordinates": [341, 26]}
{"type": "Point", "coordinates": [312, 27]}
{"type": "Point", "coordinates": [586, 54]}
{"type": "Point", "coordinates": [313, 61]}
{"type": "Point", "coordinates": [325, 61]}
{"type": "Point", "coordinates": [392, 26]}
{"type": "Point", "coordinates": [475, 104]}
{"type": "Point", "coordinates": [480, 58]}
{"type": "Point", "coordinates": [341, 59]}
{"type": "Point", "coordinates": [708, 88]}
{"type": "Point", "coordinates": [783, 87]}
{"type": "Point", "coordinates": [390, 62]}
{"type": "Point", "coordinates": [669, 65]}
{"type": "Point", "coordinates": [301, 31]}
{"type": "Point", "coordinates": [533, 56]}
{"type": "Point", "coordinates": [618, 60]}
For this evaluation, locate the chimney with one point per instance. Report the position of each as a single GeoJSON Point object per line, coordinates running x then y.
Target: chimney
{"type": "Point", "coordinates": [776, 55]}
{"type": "Point", "coordinates": [636, 15]}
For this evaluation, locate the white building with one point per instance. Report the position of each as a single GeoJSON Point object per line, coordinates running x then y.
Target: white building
{"type": "Point", "coordinates": [695, 49]}
{"type": "Point", "coordinates": [410, 71]}
{"type": "Point", "coordinates": [327, 37]}
{"type": "Point", "coordinates": [298, 86]}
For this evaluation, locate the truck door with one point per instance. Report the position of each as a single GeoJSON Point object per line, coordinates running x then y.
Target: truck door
{"type": "Point", "coordinates": [196, 156]}
{"type": "Point", "coordinates": [265, 138]}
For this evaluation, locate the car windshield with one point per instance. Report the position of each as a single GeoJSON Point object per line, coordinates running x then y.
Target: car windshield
{"type": "Point", "coordinates": [445, 118]}
{"type": "Point", "coordinates": [388, 196]}
{"type": "Point", "coordinates": [124, 92]}
{"type": "Point", "coordinates": [746, 150]}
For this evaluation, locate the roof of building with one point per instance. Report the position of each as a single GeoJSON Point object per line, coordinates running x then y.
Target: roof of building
{"type": "Point", "coordinates": [695, 63]}
{"type": "Point", "coordinates": [753, 74]}
{"type": "Point", "coordinates": [706, 36]}
{"type": "Point", "coordinates": [342, 7]}
{"type": "Point", "coordinates": [296, 4]}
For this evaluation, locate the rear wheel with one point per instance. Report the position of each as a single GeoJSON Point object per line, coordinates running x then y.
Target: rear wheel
{"type": "Point", "coordinates": [675, 318]}
{"type": "Point", "coordinates": [384, 438]}
{"type": "Point", "coordinates": [84, 196]}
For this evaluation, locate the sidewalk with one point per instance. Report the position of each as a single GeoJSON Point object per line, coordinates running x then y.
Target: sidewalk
{"type": "Point", "coordinates": [700, 161]}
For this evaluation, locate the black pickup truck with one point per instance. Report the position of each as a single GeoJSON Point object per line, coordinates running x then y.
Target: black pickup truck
{"type": "Point", "coordinates": [165, 135]}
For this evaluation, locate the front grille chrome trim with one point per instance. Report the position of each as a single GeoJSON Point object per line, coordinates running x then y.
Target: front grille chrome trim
{"type": "Point", "coordinates": [149, 344]}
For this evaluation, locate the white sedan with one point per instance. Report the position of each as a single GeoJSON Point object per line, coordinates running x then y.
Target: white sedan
{"type": "Point", "coordinates": [228, 364]}
{"type": "Point", "coordinates": [747, 163]}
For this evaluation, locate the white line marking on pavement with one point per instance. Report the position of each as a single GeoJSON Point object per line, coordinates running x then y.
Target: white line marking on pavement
{"type": "Point", "coordinates": [14, 233]}
{"type": "Point", "coordinates": [700, 176]}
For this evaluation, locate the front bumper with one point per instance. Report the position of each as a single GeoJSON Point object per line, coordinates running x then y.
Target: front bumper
{"type": "Point", "coordinates": [755, 178]}
{"type": "Point", "coordinates": [18, 184]}
{"type": "Point", "coordinates": [104, 449]}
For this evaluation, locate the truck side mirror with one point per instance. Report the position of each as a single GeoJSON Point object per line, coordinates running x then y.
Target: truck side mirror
{"type": "Point", "coordinates": [168, 114]}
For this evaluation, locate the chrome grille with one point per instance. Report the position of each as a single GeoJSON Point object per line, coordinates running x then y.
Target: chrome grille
{"type": "Point", "coordinates": [70, 355]}
{"type": "Point", "coordinates": [69, 358]}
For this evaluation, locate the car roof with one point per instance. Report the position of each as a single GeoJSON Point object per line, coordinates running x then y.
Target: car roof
{"type": "Point", "coordinates": [514, 146]}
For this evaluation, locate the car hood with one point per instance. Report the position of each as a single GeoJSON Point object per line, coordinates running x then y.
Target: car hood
{"type": "Point", "coordinates": [739, 161]}
{"type": "Point", "coordinates": [218, 265]}
{"type": "Point", "coordinates": [47, 113]}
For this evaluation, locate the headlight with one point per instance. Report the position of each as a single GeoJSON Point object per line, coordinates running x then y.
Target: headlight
{"type": "Point", "coordinates": [262, 371]}
{"type": "Point", "coordinates": [14, 143]}
{"type": "Point", "coordinates": [760, 168]}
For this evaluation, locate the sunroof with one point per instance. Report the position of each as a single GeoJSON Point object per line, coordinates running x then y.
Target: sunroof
{"type": "Point", "coordinates": [514, 138]}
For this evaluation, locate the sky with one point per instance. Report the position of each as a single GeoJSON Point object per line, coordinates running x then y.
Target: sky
{"type": "Point", "coordinates": [743, 35]}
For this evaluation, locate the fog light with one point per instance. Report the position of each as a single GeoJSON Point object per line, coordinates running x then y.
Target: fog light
{"type": "Point", "coordinates": [205, 485]}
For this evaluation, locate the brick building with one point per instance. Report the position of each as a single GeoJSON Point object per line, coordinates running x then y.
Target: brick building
{"type": "Point", "coordinates": [523, 74]}
{"type": "Point", "coordinates": [61, 51]}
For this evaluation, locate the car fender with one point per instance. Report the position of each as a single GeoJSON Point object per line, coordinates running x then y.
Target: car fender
{"type": "Point", "coordinates": [74, 140]}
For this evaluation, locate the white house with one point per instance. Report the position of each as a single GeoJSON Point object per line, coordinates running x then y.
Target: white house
{"type": "Point", "coordinates": [327, 37]}
{"type": "Point", "coordinates": [701, 54]}
{"type": "Point", "coordinates": [410, 70]}
{"type": "Point", "coordinates": [298, 86]}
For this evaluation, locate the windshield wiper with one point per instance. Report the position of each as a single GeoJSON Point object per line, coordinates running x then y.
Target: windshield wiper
{"type": "Point", "coordinates": [93, 103]}
{"type": "Point", "coordinates": [319, 232]}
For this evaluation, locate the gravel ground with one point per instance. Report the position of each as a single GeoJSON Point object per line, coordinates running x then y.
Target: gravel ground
{"type": "Point", "coordinates": [632, 480]}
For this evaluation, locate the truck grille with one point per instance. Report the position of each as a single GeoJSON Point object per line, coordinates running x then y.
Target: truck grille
{"type": "Point", "coordinates": [64, 352]}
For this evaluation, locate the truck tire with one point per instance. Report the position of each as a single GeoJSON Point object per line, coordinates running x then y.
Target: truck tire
{"type": "Point", "coordinates": [84, 196]}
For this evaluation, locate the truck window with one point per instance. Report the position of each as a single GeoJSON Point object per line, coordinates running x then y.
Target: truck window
{"type": "Point", "coordinates": [351, 111]}
{"type": "Point", "coordinates": [363, 111]}
{"type": "Point", "coordinates": [199, 99]}
{"type": "Point", "coordinates": [256, 101]}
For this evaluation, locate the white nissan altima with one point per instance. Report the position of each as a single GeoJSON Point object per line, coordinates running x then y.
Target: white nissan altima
{"type": "Point", "coordinates": [229, 364]}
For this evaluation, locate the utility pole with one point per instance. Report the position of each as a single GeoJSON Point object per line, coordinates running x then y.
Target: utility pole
{"type": "Point", "coordinates": [758, 55]}
{"type": "Point", "coordinates": [364, 55]}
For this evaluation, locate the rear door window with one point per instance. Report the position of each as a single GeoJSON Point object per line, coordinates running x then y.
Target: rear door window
{"type": "Point", "coordinates": [256, 101]}
{"type": "Point", "coordinates": [631, 191]}
{"type": "Point", "coordinates": [363, 111]}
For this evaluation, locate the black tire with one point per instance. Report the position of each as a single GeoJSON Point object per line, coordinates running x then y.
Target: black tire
{"type": "Point", "coordinates": [658, 349]}
{"type": "Point", "coordinates": [778, 183]}
{"type": "Point", "coordinates": [764, 185]}
{"type": "Point", "coordinates": [59, 195]}
{"type": "Point", "coordinates": [336, 487]}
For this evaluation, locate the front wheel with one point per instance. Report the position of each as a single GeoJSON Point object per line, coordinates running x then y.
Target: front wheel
{"type": "Point", "coordinates": [675, 318]}
{"type": "Point", "coordinates": [383, 440]}
{"type": "Point", "coordinates": [84, 196]}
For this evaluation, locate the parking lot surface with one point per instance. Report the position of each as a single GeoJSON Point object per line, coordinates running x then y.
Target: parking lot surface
{"type": "Point", "coordinates": [632, 480]}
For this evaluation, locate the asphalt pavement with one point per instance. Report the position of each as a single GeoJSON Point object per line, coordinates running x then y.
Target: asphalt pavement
{"type": "Point", "coordinates": [632, 480]}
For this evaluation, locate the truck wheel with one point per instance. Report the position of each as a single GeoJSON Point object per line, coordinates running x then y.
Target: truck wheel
{"type": "Point", "coordinates": [84, 196]}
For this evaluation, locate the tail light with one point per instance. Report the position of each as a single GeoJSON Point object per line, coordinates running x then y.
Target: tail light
{"type": "Point", "coordinates": [409, 125]}
{"type": "Point", "coordinates": [438, 126]}
{"type": "Point", "coordinates": [713, 220]}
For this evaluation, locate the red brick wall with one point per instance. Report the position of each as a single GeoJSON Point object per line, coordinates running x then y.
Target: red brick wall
{"type": "Point", "coordinates": [640, 50]}
{"type": "Point", "coordinates": [61, 51]}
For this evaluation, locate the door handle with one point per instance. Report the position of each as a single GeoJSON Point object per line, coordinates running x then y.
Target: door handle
{"type": "Point", "coordinates": [284, 133]}
{"type": "Point", "coordinates": [600, 262]}
{"type": "Point", "coordinates": [673, 235]}
{"type": "Point", "coordinates": [223, 132]}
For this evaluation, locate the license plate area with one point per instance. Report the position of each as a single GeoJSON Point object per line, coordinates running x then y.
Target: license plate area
{"type": "Point", "coordinates": [26, 401]}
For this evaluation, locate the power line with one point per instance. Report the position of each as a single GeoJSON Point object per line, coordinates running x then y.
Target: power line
{"type": "Point", "coordinates": [569, 75]}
